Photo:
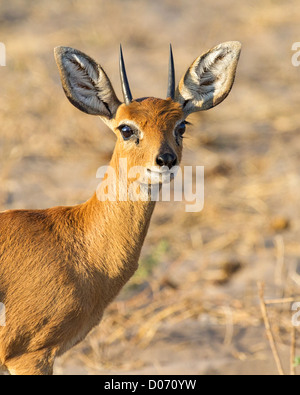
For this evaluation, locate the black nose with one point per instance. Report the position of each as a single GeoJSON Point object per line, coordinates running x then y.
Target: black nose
{"type": "Point", "coordinates": [166, 159]}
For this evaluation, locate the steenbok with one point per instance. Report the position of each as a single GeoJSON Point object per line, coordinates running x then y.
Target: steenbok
{"type": "Point", "coordinates": [61, 267]}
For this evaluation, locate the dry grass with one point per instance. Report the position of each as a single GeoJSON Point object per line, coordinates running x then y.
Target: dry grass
{"type": "Point", "coordinates": [250, 226]}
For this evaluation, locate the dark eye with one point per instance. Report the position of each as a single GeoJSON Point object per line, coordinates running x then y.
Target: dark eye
{"type": "Point", "coordinates": [181, 128]}
{"type": "Point", "coordinates": [126, 131]}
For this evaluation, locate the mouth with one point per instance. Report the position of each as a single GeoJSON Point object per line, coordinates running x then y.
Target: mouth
{"type": "Point", "coordinates": [159, 173]}
{"type": "Point", "coordinates": [161, 176]}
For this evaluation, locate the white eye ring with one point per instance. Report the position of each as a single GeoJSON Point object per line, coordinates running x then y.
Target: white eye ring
{"type": "Point", "coordinates": [126, 127]}
{"type": "Point", "coordinates": [181, 128]}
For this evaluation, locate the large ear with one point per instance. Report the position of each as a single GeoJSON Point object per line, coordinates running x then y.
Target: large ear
{"type": "Point", "coordinates": [85, 83]}
{"type": "Point", "coordinates": [209, 78]}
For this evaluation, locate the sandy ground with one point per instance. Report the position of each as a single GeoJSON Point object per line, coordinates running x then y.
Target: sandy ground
{"type": "Point", "coordinates": [193, 307]}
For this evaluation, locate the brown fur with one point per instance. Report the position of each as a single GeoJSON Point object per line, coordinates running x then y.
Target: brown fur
{"type": "Point", "coordinates": [157, 118]}
{"type": "Point", "coordinates": [60, 267]}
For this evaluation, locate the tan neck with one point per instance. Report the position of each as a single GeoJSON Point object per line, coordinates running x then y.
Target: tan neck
{"type": "Point", "coordinates": [118, 228]}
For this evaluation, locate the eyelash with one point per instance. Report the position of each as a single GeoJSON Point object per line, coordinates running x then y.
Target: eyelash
{"type": "Point", "coordinates": [179, 135]}
{"type": "Point", "coordinates": [130, 132]}
{"type": "Point", "coordinates": [124, 128]}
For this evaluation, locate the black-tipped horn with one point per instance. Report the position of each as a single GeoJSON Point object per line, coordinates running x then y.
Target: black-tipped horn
{"type": "Point", "coordinates": [171, 79]}
{"type": "Point", "coordinates": [124, 81]}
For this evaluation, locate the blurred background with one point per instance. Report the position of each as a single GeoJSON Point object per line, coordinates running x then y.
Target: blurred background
{"type": "Point", "coordinates": [193, 306]}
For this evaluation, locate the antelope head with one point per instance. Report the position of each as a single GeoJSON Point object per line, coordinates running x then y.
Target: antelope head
{"type": "Point", "coordinates": [149, 130]}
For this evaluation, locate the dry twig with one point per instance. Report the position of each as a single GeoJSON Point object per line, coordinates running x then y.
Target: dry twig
{"type": "Point", "coordinates": [270, 336]}
{"type": "Point", "coordinates": [293, 351]}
